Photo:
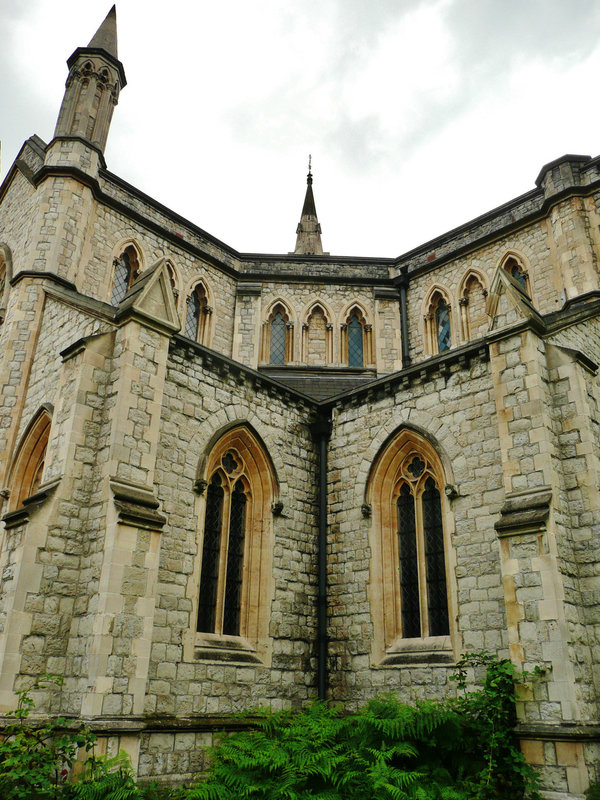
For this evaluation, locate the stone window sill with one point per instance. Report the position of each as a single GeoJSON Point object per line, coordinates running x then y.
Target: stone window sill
{"type": "Point", "coordinates": [428, 650]}
{"type": "Point", "coordinates": [225, 649]}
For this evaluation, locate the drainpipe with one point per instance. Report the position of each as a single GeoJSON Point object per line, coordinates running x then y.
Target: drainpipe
{"type": "Point", "coordinates": [403, 285]}
{"type": "Point", "coordinates": [322, 431]}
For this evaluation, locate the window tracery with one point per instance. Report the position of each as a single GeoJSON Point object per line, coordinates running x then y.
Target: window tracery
{"type": "Point", "coordinates": [233, 591]}
{"type": "Point", "coordinates": [410, 598]}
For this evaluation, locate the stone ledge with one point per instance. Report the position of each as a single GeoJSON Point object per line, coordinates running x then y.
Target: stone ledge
{"type": "Point", "coordinates": [136, 505]}
{"type": "Point", "coordinates": [524, 512]}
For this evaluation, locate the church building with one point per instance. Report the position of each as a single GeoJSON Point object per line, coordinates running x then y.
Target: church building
{"type": "Point", "coordinates": [231, 480]}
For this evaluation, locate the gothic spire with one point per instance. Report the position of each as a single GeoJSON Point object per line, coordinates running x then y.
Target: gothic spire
{"type": "Point", "coordinates": [105, 37]}
{"type": "Point", "coordinates": [308, 239]}
{"type": "Point", "coordinates": [96, 77]}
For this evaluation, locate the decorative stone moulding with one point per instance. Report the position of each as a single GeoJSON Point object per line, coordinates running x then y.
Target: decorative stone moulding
{"type": "Point", "coordinates": [136, 505]}
{"type": "Point", "coordinates": [525, 512]}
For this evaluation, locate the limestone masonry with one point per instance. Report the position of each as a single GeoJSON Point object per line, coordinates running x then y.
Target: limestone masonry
{"type": "Point", "coordinates": [231, 479]}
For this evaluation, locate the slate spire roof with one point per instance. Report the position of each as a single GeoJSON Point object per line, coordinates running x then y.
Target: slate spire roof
{"type": "Point", "coordinates": [308, 239]}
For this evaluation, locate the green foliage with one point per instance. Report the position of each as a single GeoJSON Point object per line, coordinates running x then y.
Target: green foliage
{"type": "Point", "coordinates": [491, 712]}
{"type": "Point", "coordinates": [460, 749]}
{"type": "Point", "coordinates": [593, 791]}
{"type": "Point", "coordinates": [36, 759]}
{"type": "Point", "coordinates": [451, 750]}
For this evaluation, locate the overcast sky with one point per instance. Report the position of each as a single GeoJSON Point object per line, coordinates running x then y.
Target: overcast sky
{"type": "Point", "coordinates": [419, 114]}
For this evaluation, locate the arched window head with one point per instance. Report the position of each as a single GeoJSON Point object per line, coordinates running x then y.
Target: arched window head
{"type": "Point", "coordinates": [234, 594]}
{"type": "Point", "coordinates": [197, 315]}
{"type": "Point", "coordinates": [126, 268]}
{"type": "Point", "coordinates": [515, 269]}
{"type": "Point", "coordinates": [438, 324]}
{"type": "Point", "coordinates": [277, 339]}
{"type": "Point", "coordinates": [409, 570]}
{"type": "Point", "coordinates": [355, 341]}
{"type": "Point", "coordinates": [28, 466]}
{"type": "Point", "coordinates": [474, 320]}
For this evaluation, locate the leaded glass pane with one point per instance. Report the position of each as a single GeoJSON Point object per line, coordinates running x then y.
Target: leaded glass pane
{"type": "Point", "coordinates": [121, 279]}
{"type": "Point", "coordinates": [229, 463]}
{"type": "Point", "coordinates": [2, 279]}
{"type": "Point", "coordinates": [235, 556]}
{"type": "Point", "coordinates": [442, 316]}
{"type": "Point", "coordinates": [437, 597]}
{"type": "Point", "coordinates": [416, 467]}
{"type": "Point", "coordinates": [209, 576]}
{"type": "Point", "coordinates": [519, 275]}
{"type": "Point", "coordinates": [355, 342]}
{"type": "Point", "coordinates": [192, 317]}
{"type": "Point", "coordinates": [277, 351]}
{"type": "Point", "coordinates": [409, 575]}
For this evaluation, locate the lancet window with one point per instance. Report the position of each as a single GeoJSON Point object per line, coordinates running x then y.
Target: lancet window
{"type": "Point", "coordinates": [438, 324]}
{"type": "Point", "coordinates": [233, 595]}
{"type": "Point", "coordinates": [357, 340]}
{"type": "Point", "coordinates": [28, 466]}
{"type": "Point", "coordinates": [126, 268]}
{"type": "Point", "coordinates": [197, 315]}
{"type": "Point", "coordinates": [514, 268]}
{"type": "Point", "coordinates": [277, 337]}
{"type": "Point", "coordinates": [410, 546]}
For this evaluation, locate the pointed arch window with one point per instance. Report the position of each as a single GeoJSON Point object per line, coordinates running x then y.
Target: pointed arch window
{"type": "Point", "coordinates": [197, 315]}
{"type": "Point", "coordinates": [438, 324]}
{"type": "Point", "coordinates": [515, 269]}
{"type": "Point", "coordinates": [410, 558]}
{"type": "Point", "coordinates": [277, 337]}
{"type": "Point", "coordinates": [357, 340]}
{"type": "Point", "coordinates": [234, 585]}
{"type": "Point", "coordinates": [472, 303]}
{"type": "Point", "coordinates": [126, 268]}
{"type": "Point", "coordinates": [28, 466]}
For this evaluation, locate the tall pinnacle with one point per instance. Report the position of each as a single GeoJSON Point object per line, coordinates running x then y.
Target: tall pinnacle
{"type": "Point", "coordinates": [308, 239]}
{"type": "Point", "coordinates": [105, 37]}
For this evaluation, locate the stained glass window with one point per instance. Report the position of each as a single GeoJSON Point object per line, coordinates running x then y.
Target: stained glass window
{"type": "Point", "coordinates": [355, 342]}
{"type": "Point", "coordinates": [277, 345]}
{"type": "Point", "coordinates": [442, 318]}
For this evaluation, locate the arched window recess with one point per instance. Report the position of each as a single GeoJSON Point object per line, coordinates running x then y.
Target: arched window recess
{"type": "Point", "coordinates": [356, 339]}
{"type": "Point", "coordinates": [277, 343]}
{"type": "Point", "coordinates": [438, 323]}
{"type": "Point", "coordinates": [28, 465]}
{"type": "Point", "coordinates": [410, 574]}
{"type": "Point", "coordinates": [317, 336]}
{"type": "Point", "coordinates": [198, 314]}
{"type": "Point", "coordinates": [513, 266]}
{"type": "Point", "coordinates": [234, 566]}
{"type": "Point", "coordinates": [125, 270]}
{"type": "Point", "coordinates": [472, 305]}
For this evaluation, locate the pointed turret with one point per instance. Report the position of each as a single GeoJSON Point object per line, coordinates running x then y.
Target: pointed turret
{"type": "Point", "coordinates": [308, 239]}
{"type": "Point", "coordinates": [96, 76]}
{"type": "Point", "coordinates": [105, 37]}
